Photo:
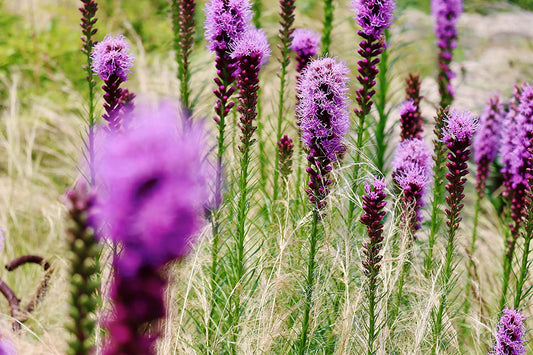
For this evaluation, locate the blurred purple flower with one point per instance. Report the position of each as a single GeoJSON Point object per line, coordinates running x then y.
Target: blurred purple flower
{"type": "Point", "coordinates": [7, 347]}
{"type": "Point", "coordinates": [112, 57]}
{"type": "Point", "coordinates": [374, 16]}
{"type": "Point", "coordinates": [323, 107]}
{"type": "Point", "coordinates": [153, 179]}
{"type": "Point", "coordinates": [510, 335]}
{"type": "Point", "coordinates": [486, 140]}
{"type": "Point", "coordinates": [226, 21]}
{"type": "Point", "coordinates": [446, 14]}
{"type": "Point", "coordinates": [305, 43]}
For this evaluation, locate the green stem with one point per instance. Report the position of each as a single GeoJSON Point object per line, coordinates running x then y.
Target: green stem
{"type": "Point", "coordinates": [438, 198]}
{"type": "Point", "coordinates": [310, 282]}
{"type": "Point", "coordinates": [508, 257]}
{"type": "Point", "coordinates": [372, 334]}
{"type": "Point", "coordinates": [446, 275]}
{"type": "Point", "coordinates": [284, 63]}
{"type": "Point", "coordinates": [381, 101]}
{"type": "Point", "coordinates": [328, 26]}
{"type": "Point", "coordinates": [471, 256]}
{"type": "Point", "coordinates": [525, 259]}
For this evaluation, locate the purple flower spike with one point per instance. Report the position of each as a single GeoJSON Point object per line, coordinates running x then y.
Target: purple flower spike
{"type": "Point", "coordinates": [305, 43]}
{"type": "Point", "coordinates": [373, 204]}
{"type": "Point", "coordinates": [153, 185]}
{"type": "Point", "coordinates": [324, 121]}
{"type": "Point", "coordinates": [112, 57]}
{"type": "Point", "coordinates": [226, 21]}
{"type": "Point", "coordinates": [486, 141]}
{"type": "Point", "coordinates": [459, 128]}
{"type": "Point", "coordinates": [374, 16]}
{"type": "Point", "coordinates": [446, 14]}
{"type": "Point", "coordinates": [412, 167]}
{"type": "Point", "coordinates": [510, 336]}
{"type": "Point", "coordinates": [411, 124]}
{"type": "Point", "coordinates": [285, 151]}
{"type": "Point", "coordinates": [323, 106]}
{"type": "Point", "coordinates": [112, 62]}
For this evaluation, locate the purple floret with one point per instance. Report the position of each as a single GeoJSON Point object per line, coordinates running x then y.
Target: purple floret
{"type": "Point", "coordinates": [446, 14]}
{"type": "Point", "coordinates": [323, 106]}
{"type": "Point", "coordinates": [253, 43]}
{"type": "Point", "coordinates": [153, 186]}
{"type": "Point", "coordinates": [112, 56]}
{"type": "Point", "coordinates": [226, 21]}
{"type": "Point", "coordinates": [374, 16]}
{"type": "Point", "coordinates": [305, 42]}
{"type": "Point", "coordinates": [459, 126]}
{"type": "Point", "coordinates": [510, 334]}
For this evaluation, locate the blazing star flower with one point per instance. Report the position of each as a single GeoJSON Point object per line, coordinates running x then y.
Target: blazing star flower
{"type": "Point", "coordinates": [373, 204]}
{"type": "Point", "coordinates": [305, 43]}
{"type": "Point", "coordinates": [510, 335]}
{"type": "Point", "coordinates": [486, 140]}
{"type": "Point", "coordinates": [411, 124]}
{"type": "Point", "coordinates": [446, 14]}
{"type": "Point", "coordinates": [153, 191]}
{"type": "Point", "coordinates": [324, 121]}
{"type": "Point", "coordinates": [112, 57]}
{"type": "Point", "coordinates": [374, 16]}
{"type": "Point", "coordinates": [412, 167]}
{"type": "Point", "coordinates": [460, 127]}
{"type": "Point", "coordinates": [226, 21]}
{"type": "Point", "coordinates": [323, 106]}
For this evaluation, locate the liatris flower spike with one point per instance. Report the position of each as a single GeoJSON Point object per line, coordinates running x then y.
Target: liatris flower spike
{"type": "Point", "coordinates": [226, 21]}
{"type": "Point", "coordinates": [446, 14]}
{"type": "Point", "coordinates": [373, 16]}
{"type": "Point", "coordinates": [285, 36]}
{"type": "Point", "coordinates": [486, 141]}
{"type": "Point", "coordinates": [510, 335]}
{"type": "Point", "coordinates": [410, 122]}
{"type": "Point", "coordinates": [112, 62]}
{"type": "Point", "coordinates": [158, 176]}
{"type": "Point", "coordinates": [285, 150]}
{"type": "Point", "coordinates": [457, 134]}
{"type": "Point", "coordinates": [305, 43]}
{"type": "Point", "coordinates": [412, 167]}
{"type": "Point", "coordinates": [182, 15]}
{"type": "Point", "coordinates": [88, 28]}
{"type": "Point", "coordinates": [324, 121]}
{"type": "Point", "coordinates": [373, 204]}
{"type": "Point", "coordinates": [250, 52]}
{"type": "Point", "coordinates": [84, 278]}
